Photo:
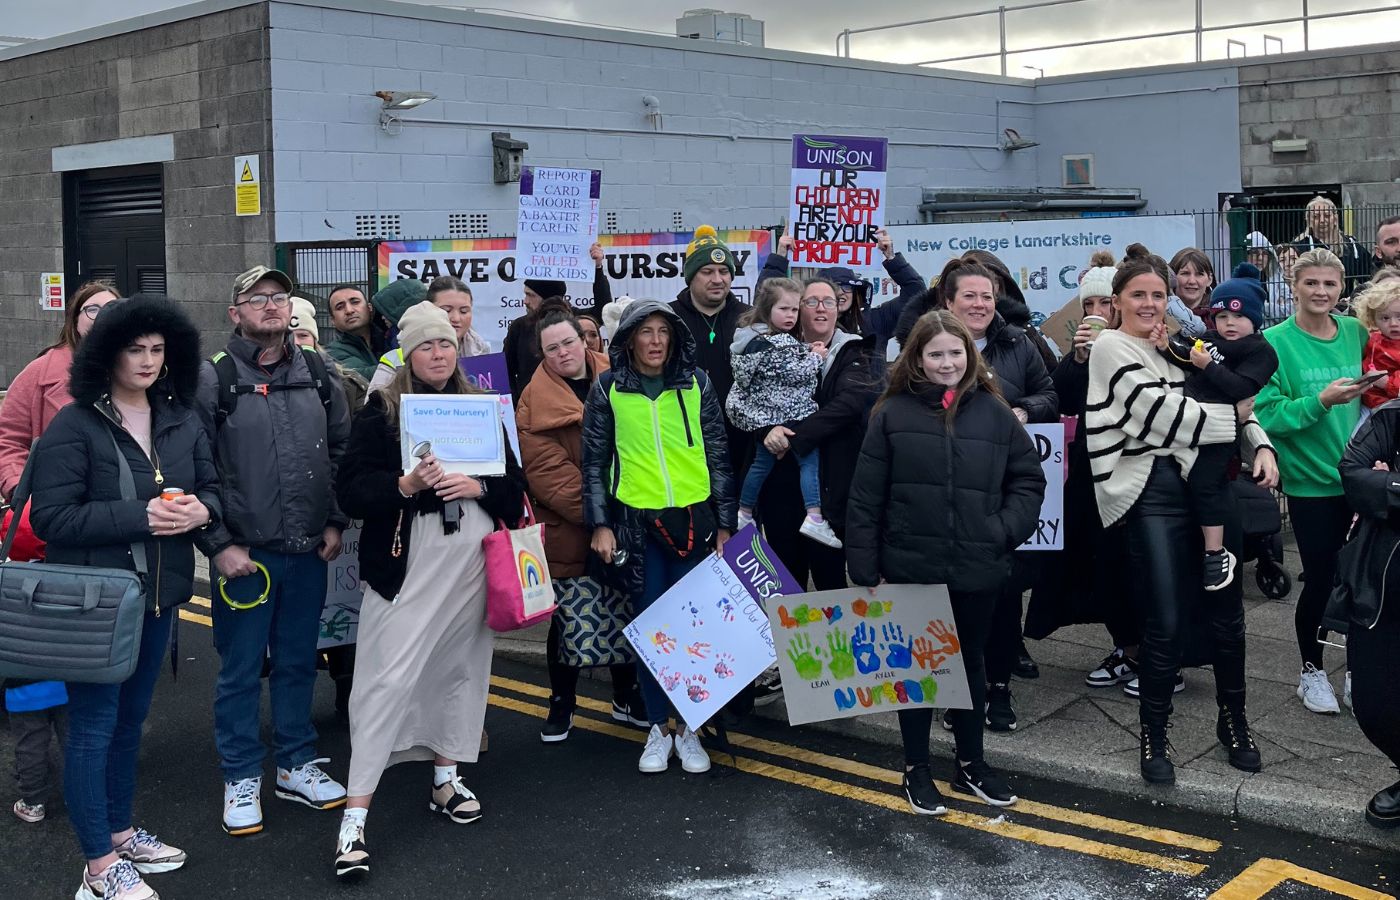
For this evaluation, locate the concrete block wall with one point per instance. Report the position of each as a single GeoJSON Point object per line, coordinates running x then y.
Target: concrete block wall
{"type": "Point", "coordinates": [720, 156]}
{"type": "Point", "coordinates": [1346, 106]}
{"type": "Point", "coordinates": [202, 80]}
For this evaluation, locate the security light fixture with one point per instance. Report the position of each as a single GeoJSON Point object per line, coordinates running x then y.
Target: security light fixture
{"type": "Point", "coordinates": [1289, 145]}
{"type": "Point", "coordinates": [1012, 141]}
{"type": "Point", "coordinates": [399, 100]}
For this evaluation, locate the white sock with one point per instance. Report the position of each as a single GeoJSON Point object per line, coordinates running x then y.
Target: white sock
{"type": "Point", "coordinates": [356, 814]}
{"type": "Point", "coordinates": [444, 774]}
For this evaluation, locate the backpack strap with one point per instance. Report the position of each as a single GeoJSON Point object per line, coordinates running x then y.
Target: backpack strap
{"type": "Point", "coordinates": [317, 364]}
{"type": "Point", "coordinates": [226, 371]}
{"type": "Point", "coordinates": [230, 389]}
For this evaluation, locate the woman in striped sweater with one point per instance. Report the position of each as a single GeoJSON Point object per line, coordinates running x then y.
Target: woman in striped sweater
{"type": "Point", "coordinates": [1143, 433]}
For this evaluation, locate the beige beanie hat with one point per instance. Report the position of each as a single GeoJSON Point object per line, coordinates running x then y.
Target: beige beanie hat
{"type": "Point", "coordinates": [304, 316]}
{"type": "Point", "coordinates": [424, 322]}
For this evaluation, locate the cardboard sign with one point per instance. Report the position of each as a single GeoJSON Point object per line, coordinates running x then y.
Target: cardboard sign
{"type": "Point", "coordinates": [558, 222]}
{"type": "Point", "coordinates": [708, 636]}
{"type": "Point", "coordinates": [488, 373]}
{"type": "Point", "coordinates": [864, 650]}
{"type": "Point", "coordinates": [1049, 442]}
{"type": "Point", "coordinates": [838, 200]}
{"type": "Point", "coordinates": [1060, 327]}
{"type": "Point", "coordinates": [463, 429]}
{"type": "Point", "coordinates": [340, 616]}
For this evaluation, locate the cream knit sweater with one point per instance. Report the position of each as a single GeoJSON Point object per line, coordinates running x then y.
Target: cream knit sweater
{"type": "Point", "coordinates": [1135, 412]}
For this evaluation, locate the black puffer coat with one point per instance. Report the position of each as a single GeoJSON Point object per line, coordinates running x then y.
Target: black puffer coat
{"type": "Point", "coordinates": [930, 505]}
{"type": "Point", "coordinates": [1369, 566]}
{"type": "Point", "coordinates": [1020, 371]}
{"type": "Point", "coordinates": [77, 504]}
{"type": "Point", "coordinates": [600, 507]}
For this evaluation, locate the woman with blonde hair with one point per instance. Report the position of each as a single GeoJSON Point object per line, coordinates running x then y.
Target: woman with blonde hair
{"type": "Point", "coordinates": [1324, 232]}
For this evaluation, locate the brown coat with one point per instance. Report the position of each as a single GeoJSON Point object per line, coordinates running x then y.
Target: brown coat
{"type": "Point", "coordinates": [549, 420]}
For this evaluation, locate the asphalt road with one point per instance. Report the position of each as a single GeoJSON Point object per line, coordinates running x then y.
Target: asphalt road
{"type": "Point", "coordinates": [800, 815]}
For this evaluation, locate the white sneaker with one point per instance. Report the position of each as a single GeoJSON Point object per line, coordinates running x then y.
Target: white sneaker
{"type": "Point", "coordinates": [119, 881]}
{"type": "Point", "coordinates": [1346, 690]}
{"type": "Point", "coordinates": [1316, 691]}
{"type": "Point", "coordinates": [820, 532]}
{"type": "Point", "coordinates": [1134, 688]}
{"type": "Point", "coordinates": [1115, 669]}
{"type": "Point", "coordinates": [694, 759]}
{"type": "Point", "coordinates": [744, 519]}
{"type": "Point", "coordinates": [243, 806]}
{"type": "Point", "coordinates": [309, 785]}
{"type": "Point", "coordinates": [656, 757]}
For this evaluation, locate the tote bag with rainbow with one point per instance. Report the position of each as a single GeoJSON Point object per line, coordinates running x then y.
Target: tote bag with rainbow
{"type": "Point", "coordinates": [519, 592]}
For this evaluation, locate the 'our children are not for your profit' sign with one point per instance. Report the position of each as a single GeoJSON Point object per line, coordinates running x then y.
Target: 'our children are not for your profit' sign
{"type": "Point", "coordinates": [558, 222]}
{"type": "Point", "coordinates": [838, 199]}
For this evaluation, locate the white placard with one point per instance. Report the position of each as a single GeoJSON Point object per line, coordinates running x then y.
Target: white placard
{"type": "Point", "coordinates": [557, 223]}
{"type": "Point", "coordinates": [463, 429]}
{"type": "Point", "coordinates": [1049, 443]}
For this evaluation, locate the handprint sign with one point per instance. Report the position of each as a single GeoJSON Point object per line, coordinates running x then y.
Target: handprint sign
{"type": "Point", "coordinates": [663, 641]}
{"type": "Point", "coordinates": [843, 664]}
{"type": "Point", "coordinates": [808, 667]}
{"type": "Point", "coordinates": [669, 679]}
{"type": "Point", "coordinates": [946, 636]}
{"type": "Point", "coordinates": [926, 655]}
{"type": "Point", "coordinates": [863, 648]}
{"type": "Point", "coordinates": [722, 665]}
{"type": "Point", "coordinates": [726, 609]}
{"type": "Point", "coordinates": [695, 688]}
{"type": "Point", "coordinates": [898, 655]}
{"type": "Point", "coordinates": [699, 649]}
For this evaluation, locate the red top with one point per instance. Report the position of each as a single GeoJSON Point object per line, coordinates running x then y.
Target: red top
{"type": "Point", "coordinates": [34, 398]}
{"type": "Point", "coordinates": [1382, 355]}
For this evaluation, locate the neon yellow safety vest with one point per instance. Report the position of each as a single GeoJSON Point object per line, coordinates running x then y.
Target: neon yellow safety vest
{"type": "Point", "coordinates": [660, 460]}
{"type": "Point", "coordinates": [393, 359]}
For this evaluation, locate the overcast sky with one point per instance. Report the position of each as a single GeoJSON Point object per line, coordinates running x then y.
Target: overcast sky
{"type": "Point", "coordinates": [812, 25]}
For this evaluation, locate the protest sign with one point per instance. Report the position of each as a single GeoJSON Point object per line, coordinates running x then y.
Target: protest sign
{"type": "Point", "coordinates": [558, 222]}
{"type": "Point", "coordinates": [463, 429]}
{"type": "Point", "coordinates": [708, 636]}
{"type": "Point", "coordinates": [340, 615]}
{"type": "Point", "coordinates": [1046, 256]}
{"type": "Point", "coordinates": [488, 373]}
{"type": "Point", "coordinates": [646, 265]}
{"type": "Point", "coordinates": [1049, 441]}
{"type": "Point", "coordinates": [838, 199]}
{"type": "Point", "coordinates": [861, 650]}
{"type": "Point", "coordinates": [1061, 325]}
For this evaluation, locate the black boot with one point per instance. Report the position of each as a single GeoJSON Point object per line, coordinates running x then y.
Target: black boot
{"type": "Point", "coordinates": [1232, 729]}
{"type": "Point", "coordinates": [1384, 809]}
{"type": "Point", "coordinates": [1157, 767]}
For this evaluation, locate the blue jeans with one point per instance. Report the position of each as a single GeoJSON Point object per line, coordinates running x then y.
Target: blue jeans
{"type": "Point", "coordinates": [104, 739]}
{"type": "Point", "coordinates": [661, 572]}
{"type": "Point", "coordinates": [286, 627]}
{"type": "Point", "coordinates": [809, 477]}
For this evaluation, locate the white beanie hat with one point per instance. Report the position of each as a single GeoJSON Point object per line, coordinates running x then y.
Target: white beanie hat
{"type": "Point", "coordinates": [1097, 282]}
{"type": "Point", "coordinates": [304, 317]}
{"type": "Point", "coordinates": [612, 313]}
{"type": "Point", "coordinates": [422, 323]}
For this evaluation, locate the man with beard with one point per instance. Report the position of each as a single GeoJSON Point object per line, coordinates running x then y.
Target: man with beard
{"type": "Point", "coordinates": [360, 335]}
{"type": "Point", "coordinates": [1388, 243]}
{"type": "Point", "coordinates": [278, 422]}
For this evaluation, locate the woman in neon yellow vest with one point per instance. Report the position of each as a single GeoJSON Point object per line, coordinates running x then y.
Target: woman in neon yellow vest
{"type": "Point", "coordinates": [658, 491]}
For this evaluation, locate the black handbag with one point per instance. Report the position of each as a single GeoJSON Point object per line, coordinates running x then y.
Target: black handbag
{"type": "Point", "coordinates": [70, 623]}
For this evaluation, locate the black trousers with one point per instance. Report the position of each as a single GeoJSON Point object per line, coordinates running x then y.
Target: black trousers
{"type": "Point", "coordinates": [974, 613]}
{"type": "Point", "coordinates": [781, 510]}
{"type": "Point", "coordinates": [32, 733]}
{"type": "Point", "coordinates": [1373, 655]}
{"type": "Point", "coordinates": [1164, 552]}
{"type": "Point", "coordinates": [563, 678]}
{"type": "Point", "coordinates": [1320, 526]}
{"type": "Point", "coordinates": [1004, 640]}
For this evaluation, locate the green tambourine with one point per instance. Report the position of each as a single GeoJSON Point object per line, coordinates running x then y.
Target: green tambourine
{"type": "Point", "coordinates": [262, 598]}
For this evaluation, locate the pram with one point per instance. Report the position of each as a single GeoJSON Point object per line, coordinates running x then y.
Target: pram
{"type": "Point", "coordinates": [1263, 536]}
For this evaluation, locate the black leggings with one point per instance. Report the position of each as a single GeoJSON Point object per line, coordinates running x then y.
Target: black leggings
{"type": "Point", "coordinates": [563, 678]}
{"type": "Point", "coordinates": [1004, 640]}
{"type": "Point", "coordinates": [1164, 553]}
{"type": "Point", "coordinates": [1320, 526]}
{"type": "Point", "coordinates": [974, 613]}
{"type": "Point", "coordinates": [1373, 655]}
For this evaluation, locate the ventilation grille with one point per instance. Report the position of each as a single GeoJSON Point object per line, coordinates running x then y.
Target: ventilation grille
{"type": "Point", "coordinates": [150, 279]}
{"type": "Point", "coordinates": [104, 274]}
{"type": "Point", "coordinates": [381, 225]}
{"type": "Point", "coordinates": [610, 223]}
{"type": "Point", "coordinates": [134, 195]}
{"type": "Point", "coordinates": [677, 221]}
{"type": "Point", "coordinates": [468, 225]}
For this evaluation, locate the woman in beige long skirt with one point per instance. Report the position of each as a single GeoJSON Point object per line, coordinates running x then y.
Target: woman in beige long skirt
{"type": "Point", "coordinates": [423, 665]}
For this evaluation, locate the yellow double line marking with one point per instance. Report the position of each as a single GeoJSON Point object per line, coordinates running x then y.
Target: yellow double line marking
{"type": "Point", "coordinates": [887, 800]}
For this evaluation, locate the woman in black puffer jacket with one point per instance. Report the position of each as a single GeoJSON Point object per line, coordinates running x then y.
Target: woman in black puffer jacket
{"type": "Point", "coordinates": [133, 383]}
{"type": "Point", "coordinates": [947, 486]}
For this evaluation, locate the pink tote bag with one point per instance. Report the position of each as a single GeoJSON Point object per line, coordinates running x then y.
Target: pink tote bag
{"type": "Point", "coordinates": [519, 592]}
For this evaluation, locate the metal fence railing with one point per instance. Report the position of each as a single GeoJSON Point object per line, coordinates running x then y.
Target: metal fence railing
{"type": "Point", "coordinates": [317, 267]}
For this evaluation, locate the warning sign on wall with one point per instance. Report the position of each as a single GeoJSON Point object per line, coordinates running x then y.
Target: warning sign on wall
{"type": "Point", "coordinates": [51, 286]}
{"type": "Point", "coordinates": [247, 186]}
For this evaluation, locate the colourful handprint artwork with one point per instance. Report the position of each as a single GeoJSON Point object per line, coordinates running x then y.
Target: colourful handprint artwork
{"type": "Point", "coordinates": [723, 665]}
{"type": "Point", "coordinates": [945, 635]}
{"type": "Point", "coordinates": [689, 607]}
{"type": "Point", "coordinates": [804, 660]}
{"type": "Point", "coordinates": [843, 664]}
{"type": "Point", "coordinates": [898, 655]}
{"type": "Point", "coordinates": [695, 688]}
{"type": "Point", "coordinates": [726, 609]}
{"type": "Point", "coordinates": [669, 680]}
{"type": "Point", "coordinates": [863, 649]}
{"type": "Point", "coordinates": [698, 650]}
{"type": "Point", "coordinates": [663, 642]}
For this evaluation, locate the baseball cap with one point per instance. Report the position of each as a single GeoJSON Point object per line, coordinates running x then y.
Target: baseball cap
{"type": "Point", "coordinates": [244, 283]}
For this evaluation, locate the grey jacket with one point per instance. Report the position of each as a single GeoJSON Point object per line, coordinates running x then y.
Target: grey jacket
{"type": "Point", "coordinates": [276, 454]}
{"type": "Point", "coordinates": [775, 378]}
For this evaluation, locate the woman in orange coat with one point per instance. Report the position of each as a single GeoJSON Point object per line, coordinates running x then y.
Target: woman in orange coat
{"type": "Point", "coordinates": [549, 419]}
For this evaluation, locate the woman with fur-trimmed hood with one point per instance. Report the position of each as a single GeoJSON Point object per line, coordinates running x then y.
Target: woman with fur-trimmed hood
{"type": "Point", "coordinates": [133, 383]}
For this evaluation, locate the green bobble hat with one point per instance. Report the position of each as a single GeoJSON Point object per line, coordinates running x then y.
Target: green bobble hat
{"type": "Point", "coordinates": [706, 249]}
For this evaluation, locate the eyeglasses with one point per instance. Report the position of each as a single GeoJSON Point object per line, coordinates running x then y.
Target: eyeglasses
{"type": "Point", "coordinates": [93, 309]}
{"type": "Point", "coordinates": [565, 344]}
{"type": "Point", "coordinates": [820, 303]}
{"type": "Point", "coordinates": [260, 301]}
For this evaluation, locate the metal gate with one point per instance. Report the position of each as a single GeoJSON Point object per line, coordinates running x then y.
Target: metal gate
{"type": "Point", "coordinates": [318, 267]}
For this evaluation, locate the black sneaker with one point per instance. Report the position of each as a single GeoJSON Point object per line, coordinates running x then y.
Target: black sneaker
{"type": "Point", "coordinates": [1219, 569]}
{"type": "Point", "coordinates": [1000, 714]}
{"type": "Point", "coordinates": [1384, 809]}
{"type": "Point", "coordinates": [981, 780]}
{"type": "Point", "coordinates": [1232, 729]}
{"type": "Point", "coordinates": [1134, 688]}
{"type": "Point", "coordinates": [559, 722]}
{"type": "Point", "coordinates": [768, 687]}
{"type": "Point", "coordinates": [1156, 754]}
{"type": "Point", "coordinates": [947, 720]}
{"type": "Point", "coordinates": [1116, 668]}
{"type": "Point", "coordinates": [352, 856]}
{"type": "Point", "coordinates": [1025, 667]}
{"type": "Point", "coordinates": [631, 712]}
{"type": "Point", "coordinates": [921, 793]}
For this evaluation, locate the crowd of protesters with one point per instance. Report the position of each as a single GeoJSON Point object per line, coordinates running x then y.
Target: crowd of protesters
{"type": "Point", "coordinates": [833, 425]}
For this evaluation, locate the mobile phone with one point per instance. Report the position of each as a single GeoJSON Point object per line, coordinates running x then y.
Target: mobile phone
{"type": "Point", "coordinates": [1369, 379]}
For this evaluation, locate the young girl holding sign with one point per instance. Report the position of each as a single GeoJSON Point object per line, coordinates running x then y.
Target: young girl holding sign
{"type": "Point", "coordinates": [942, 430]}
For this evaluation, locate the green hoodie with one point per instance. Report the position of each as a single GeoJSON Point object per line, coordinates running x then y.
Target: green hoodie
{"type": "Point", "coordinates": [1310, 438]}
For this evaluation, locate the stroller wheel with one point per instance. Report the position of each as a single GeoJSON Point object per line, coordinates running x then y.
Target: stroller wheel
{"type": "Point", "coordinates": [1273, 581]}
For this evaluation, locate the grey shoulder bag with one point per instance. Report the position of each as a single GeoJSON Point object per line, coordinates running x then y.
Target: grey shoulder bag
{"type": "Point", "coordinates": [70, 623]}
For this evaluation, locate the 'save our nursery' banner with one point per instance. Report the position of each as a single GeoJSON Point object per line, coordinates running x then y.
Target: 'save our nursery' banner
{"type": "Point", "coordinates": [646, 266]}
